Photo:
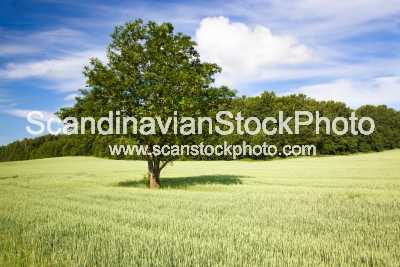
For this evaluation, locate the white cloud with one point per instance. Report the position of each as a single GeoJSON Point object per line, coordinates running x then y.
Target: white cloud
{"type": "Point", "coordinates": [70, 97]}
{"type": "Point", "coordinates": [331, 19]}
{"type": "Point", "coordinates": [41, 43]}
{"type": "Point", "coordinates": [316, 19]}
{"type": "Point", "coordinates": [383, 90]}
{"type": "Point", "coordinates": [9, 50]}
{"type": "Point", "coordinates": [62, 35]}
{"type": "Point", "coordinates": [65, 72]}
{"type": "Point", "coordinates": [23, 113]}
{"type": "Point", "coordinates": [245, 53]}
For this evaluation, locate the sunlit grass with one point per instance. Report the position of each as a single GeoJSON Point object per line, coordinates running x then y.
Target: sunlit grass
{"type": "Point", "coordinates": [329, 211]}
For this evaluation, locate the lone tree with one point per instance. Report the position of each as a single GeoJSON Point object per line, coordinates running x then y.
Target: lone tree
{"type": "Point", "coordinates": [151, 72]}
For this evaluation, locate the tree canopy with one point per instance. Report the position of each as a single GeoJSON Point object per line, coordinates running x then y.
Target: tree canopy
{"type": "Point", "coordinates": [151, 72]}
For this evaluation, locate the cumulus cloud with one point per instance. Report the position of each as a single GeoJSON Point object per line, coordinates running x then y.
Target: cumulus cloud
{"type": "Point", "coordinates": [382, 90]}
{"type": "Point", "coordinates": [244, 53]}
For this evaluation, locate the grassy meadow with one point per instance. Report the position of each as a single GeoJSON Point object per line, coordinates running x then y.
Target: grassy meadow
{"type": "Point", "coordinates": [309, 211]}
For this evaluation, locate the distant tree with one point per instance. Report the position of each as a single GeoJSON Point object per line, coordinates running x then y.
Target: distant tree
{"type": "Point", "coordinates": [151, 72]}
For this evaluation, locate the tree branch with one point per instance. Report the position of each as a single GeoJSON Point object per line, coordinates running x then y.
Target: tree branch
{"type": "Point", "coordinates": [165, 162]}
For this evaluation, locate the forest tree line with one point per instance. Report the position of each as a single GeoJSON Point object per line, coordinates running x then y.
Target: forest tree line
{"type": "Point", "coordinates": [386, 134]}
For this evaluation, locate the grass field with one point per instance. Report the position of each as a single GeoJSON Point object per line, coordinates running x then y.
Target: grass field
{"type": "Point", "coordinates": [79, 211]}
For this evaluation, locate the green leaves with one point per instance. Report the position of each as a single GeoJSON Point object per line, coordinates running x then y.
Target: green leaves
{"type": "Point", "coordinates": [151, 72]}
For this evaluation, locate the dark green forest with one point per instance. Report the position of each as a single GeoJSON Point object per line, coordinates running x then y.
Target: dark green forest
{"type": "Point", "coordinates": [385, 136]}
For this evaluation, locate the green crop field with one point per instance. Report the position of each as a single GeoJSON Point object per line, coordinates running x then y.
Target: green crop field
{"type": "Point", "coordinates": [323, 211]}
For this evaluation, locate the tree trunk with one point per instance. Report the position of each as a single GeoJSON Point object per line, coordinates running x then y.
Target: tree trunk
{"type": "Point", "coordinates": [155, 180]}
{"type": "Point", "coordinates": [155, 166]}
{"type": "Point", "coordinates": [154, 170]}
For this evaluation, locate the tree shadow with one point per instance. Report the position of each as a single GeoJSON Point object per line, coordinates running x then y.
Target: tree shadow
{"type": "Point", "coordinates": [184, 182]}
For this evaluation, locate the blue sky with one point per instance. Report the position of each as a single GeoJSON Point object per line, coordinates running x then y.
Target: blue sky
{"type": "Point", "coordinates": [328, 49]}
